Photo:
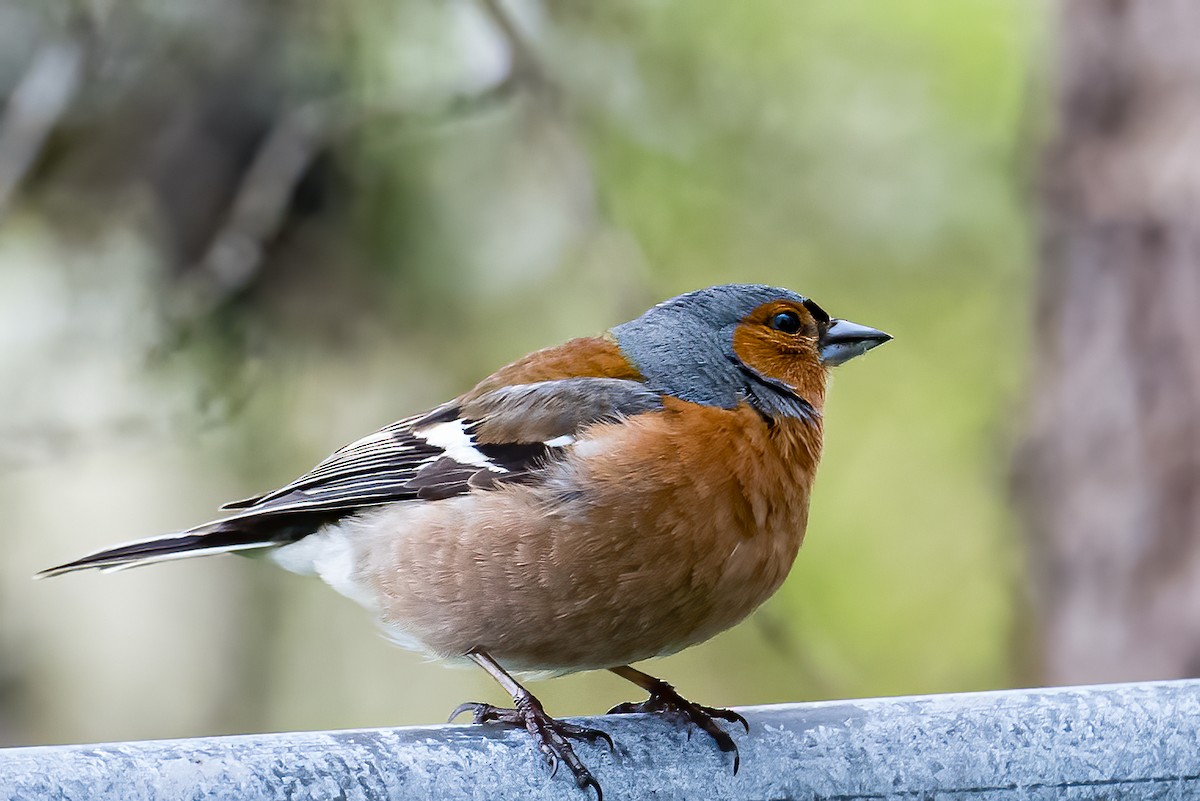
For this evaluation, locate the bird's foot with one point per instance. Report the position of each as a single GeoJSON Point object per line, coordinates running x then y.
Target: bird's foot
{"type": "Point", "coordinates": [668, 703]}
{"type": "Point", "coordinates": [552, 736]}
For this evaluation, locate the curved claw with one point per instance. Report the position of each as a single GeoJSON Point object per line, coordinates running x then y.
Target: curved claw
{"type": "Point", "coordinates": [590, 781]}
{"type": "Point", "coordinates": [474, 707]}
{"type": "Point", "coordinates": [725, 743]}
{"type": "Point", "coordinates": [589, 735]}
{"type": "Point", "coordinates": [665, 701]}
{"type": "Point", "coordinates": [551, 736]}
{"type": "Point", "coordinates": [729, 715]}
{"type": "Point", "coordinates": [603, 735]}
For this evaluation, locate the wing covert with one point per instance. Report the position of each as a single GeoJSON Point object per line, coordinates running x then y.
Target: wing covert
{"type": "Point", "coordinates": [475, 443]}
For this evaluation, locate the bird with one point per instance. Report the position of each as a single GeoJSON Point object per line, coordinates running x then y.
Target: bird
{"type": "Point", "coordinates": [589, 506]}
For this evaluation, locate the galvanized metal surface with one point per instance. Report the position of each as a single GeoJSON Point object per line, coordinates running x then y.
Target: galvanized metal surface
{"type": "Point", "coordinates": [1136, 741]}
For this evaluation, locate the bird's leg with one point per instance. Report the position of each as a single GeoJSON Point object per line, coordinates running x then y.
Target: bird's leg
{"type": "Point", "coordinates": [553, 737]}
{"type": "Point", "coordinates": [664, 700]}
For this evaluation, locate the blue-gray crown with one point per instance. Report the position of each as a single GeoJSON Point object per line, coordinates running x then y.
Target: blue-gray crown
{"type": "Point", "coordinates": [684, 347]}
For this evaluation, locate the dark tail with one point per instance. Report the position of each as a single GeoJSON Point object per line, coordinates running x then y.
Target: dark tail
{"type": "Point", "coordinates": [219, 537]}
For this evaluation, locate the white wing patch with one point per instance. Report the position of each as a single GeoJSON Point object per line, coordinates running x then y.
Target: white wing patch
{"type": "Point", "coordinates": [560, 442]}
{"type": "Point", "coordinates": [452, 437]}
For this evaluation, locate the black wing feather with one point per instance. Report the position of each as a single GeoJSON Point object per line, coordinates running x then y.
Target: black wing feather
{"type": "Point", "coordinates": [398, 463]}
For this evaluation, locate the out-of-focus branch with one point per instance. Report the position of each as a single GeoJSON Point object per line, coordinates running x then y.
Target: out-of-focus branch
{"type": "Point", "coordinates": [257, 212]}
{"type": "Point", "coordinates": [34, 108]}
{"type": "Point", "coordinates": [525, 68]}
{"type": "Point", "coordinates": [259, 209]}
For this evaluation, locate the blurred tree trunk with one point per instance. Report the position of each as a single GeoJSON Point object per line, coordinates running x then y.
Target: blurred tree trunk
{"type": "Point", "coordinates": [1109, 473]}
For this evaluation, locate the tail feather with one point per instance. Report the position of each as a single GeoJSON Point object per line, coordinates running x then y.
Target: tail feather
{"type": "Point", "coordinates": [204, 541]}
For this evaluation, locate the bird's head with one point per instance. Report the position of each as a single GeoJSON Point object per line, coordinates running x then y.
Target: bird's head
{"type": "Point", "coordinates": [736, 343]}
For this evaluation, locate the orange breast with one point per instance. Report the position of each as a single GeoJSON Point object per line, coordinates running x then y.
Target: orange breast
{"type": "Point", "coordinates": [656, 534]}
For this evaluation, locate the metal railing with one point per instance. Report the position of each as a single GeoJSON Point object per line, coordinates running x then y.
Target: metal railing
{"type": "Point", "coordinates": [1130, 741]}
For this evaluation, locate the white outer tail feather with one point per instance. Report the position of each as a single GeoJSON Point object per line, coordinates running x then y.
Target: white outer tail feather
{"type": "Point", "coordinates": [171, 557]}
{"type": "Point", "coordinates": [117, 561]}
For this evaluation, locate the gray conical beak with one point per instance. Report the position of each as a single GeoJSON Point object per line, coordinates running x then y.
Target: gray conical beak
{"type": "Point", "coordinates": [844, 340]}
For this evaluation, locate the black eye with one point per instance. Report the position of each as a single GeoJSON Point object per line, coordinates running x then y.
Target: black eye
{"type": "Point", "coordinates": [786, 321]}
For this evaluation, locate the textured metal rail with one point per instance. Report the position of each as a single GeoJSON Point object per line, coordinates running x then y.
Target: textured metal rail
{"type": "Point", "coordinates": [1130, 741]}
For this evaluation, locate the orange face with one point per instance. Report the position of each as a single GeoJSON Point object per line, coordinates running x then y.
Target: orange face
{"type": "Point", "coordinates": [780, 339]}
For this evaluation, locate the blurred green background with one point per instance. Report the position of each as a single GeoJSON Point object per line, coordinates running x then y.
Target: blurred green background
{"type": "Point", "coordinates": [236, 236]}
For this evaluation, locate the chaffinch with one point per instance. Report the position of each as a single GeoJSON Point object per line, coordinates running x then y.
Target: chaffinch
{"type": "Point", "coordinates": [588, 506]}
